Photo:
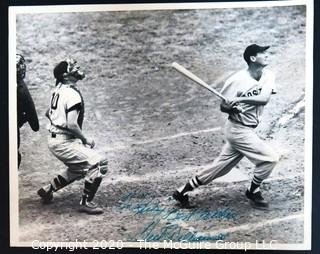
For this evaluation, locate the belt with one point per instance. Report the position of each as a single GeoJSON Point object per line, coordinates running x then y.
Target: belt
{"type": "Point", "coordinates": [240, 123]}
{"type": "Point", "coordinates": [65, 136]}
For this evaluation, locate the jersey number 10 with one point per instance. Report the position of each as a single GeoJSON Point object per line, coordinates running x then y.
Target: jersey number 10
{"type": "Point", "coordinates": [54, 100]}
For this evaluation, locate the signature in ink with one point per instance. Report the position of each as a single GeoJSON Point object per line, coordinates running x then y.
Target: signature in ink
{"type": "Point", "coordinates": [154, 232]}
{"type": "Point", "coordinates": [153, 207]}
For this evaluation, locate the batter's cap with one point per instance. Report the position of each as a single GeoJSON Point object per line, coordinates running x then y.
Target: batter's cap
{"type": "Point", "coordinates": [253, 50]}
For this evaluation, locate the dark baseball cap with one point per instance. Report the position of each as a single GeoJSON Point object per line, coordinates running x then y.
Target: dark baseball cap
{"type": "Point", "coordinates": [253, 50]}
{"type": "Point", "coordinates": [60, 69]}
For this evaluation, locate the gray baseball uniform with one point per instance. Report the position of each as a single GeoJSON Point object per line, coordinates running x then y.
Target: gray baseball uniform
{"type": "Point", "coordinates": [251, 88]}
{"type": "Point", "coordinates": [241, 139]}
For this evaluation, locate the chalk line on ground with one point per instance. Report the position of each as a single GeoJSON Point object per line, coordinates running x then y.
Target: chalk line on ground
{"type": "Point", "coordinates": [121, 146]}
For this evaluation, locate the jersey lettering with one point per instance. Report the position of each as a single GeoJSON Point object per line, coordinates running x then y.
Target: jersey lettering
{"type": "Point", "coordinates": [63, 99]}
{"type": "Point", "coordinates": [241, 84]}
{"type": "Point", "coordinates": [253, 92]}
{"type": "Point", "coordinates": [54, 100]}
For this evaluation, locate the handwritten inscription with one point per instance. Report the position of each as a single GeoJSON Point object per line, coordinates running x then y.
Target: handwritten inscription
{"type": "Point", "coordinates": [151, 206]}
{"type": "Point", "coordinates": [155, 231]}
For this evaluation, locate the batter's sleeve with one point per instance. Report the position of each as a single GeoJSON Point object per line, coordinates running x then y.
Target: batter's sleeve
{"type": "Point", "coordinates": [228, 90]}
{"type": "Point", "coordinates": [271, 82]}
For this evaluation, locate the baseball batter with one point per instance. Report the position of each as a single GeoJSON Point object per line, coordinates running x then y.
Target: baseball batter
{"type": "Point", "coordinates": [26, 111]}
{"type": "Point", "coordinates": [250, 89]}
{"type": "Point", "coordinates": [67, 141]}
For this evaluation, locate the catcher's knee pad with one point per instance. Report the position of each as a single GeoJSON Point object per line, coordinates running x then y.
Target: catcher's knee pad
{"type": "Point", "coordinates": [98, 170]}
{"type": "Point", "coordinates": [93, 179]}
{"type": "Point", "coordinates": [103, 167]}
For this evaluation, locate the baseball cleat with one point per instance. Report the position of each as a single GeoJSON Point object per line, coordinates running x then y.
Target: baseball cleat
{"type": "Point", "coordinates": [182, 199]}
{"type": "Point", "coordinates": [90, 208]}
{"type": "Point", "coordinates": [46, 196]}
{"type": "Point", "coordinates": [257, 200]}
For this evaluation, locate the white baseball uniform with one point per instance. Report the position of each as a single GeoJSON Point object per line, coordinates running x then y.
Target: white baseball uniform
{"type": "Point", "coordinates": [68, 149]}
{"type": "Point", "coordinates": [65, 141]}
{"type": "Point", "coordinates": [64, 98]}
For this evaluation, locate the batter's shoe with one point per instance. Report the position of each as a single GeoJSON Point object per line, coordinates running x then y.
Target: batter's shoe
{"type": "Point", "coordinates": [182, 199]}
{"type": "Point", "coordinates": [257, 200]}
{"type": "Point", "coordinates": [89, 207]}
{"type": "Point", "coordinates": [46, 196]}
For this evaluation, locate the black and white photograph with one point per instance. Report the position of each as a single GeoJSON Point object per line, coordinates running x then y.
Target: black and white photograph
{"type": "Point", "coordinates": [174, 126]}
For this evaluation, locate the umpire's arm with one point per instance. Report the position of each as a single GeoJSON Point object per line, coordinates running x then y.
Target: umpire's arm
{"type": "Point", "coordinates": [29, 108]}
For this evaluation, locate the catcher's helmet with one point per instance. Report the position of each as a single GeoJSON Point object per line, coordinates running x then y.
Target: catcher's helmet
{"type": "Point", "coordinates": [67, 68]}
{"type": "Point", "coordinates": [21, 67]}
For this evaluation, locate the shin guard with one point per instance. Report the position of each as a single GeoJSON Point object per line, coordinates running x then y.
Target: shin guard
{"type": "Point", "coordinates": [91, 187]}
{"type": "Point", "coordinates": [93, 179]}
{"type": "Point", "coordinates": [59, 182]}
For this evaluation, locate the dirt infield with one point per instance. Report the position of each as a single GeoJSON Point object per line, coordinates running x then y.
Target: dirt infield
{"type": "Point", "coordinates": [158, 129]}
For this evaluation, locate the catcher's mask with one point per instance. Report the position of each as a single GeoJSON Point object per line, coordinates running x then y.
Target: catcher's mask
{"type": "Point", "coordinates": [67, 69]}
{"type": "Point", "coordinates": [21, 67]}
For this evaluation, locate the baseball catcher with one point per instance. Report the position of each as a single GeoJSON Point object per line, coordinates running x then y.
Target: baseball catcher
{"type": "Point", "coordinates": [67, 142]}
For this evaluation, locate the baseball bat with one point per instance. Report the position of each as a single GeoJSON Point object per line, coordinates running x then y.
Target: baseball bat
{"type": "Point", "coordinates": [199, 81]}
{"type": "Point", "coordinates": [196, 79]}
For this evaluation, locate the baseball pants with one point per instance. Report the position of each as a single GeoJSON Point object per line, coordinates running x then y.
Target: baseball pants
{"type": "Point", "coordinates": [80, 160]}
{"type": "Point", "coordinates": [241, 141]}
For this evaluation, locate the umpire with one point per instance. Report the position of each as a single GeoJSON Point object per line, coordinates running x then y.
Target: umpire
{"type": "Point", "coordinates": [25, 106]}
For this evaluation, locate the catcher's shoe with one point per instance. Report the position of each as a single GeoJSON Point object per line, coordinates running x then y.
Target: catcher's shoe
{"type": "Point", "coordinates": [182, 199]}
{"type": "Point", "coordinates": [89, 207]}
{"type": "Point", "coordinates": [257, 200]}
{"type": "Point", "coordinates": [46, 196]}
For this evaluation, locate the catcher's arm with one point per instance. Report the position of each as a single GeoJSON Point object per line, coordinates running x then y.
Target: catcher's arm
{"type": "Point", "coordinates": [74, 128]}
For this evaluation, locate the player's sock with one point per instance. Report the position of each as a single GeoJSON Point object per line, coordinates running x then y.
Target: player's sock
{"type": "Point", "coordinates": [255, 184]}
{"type": "Point", "coordinates": [59, 182]}
{"type": "Point", "coordinates": [190, 185]}
{"type": "Point", "coordinates": [48, 188]}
